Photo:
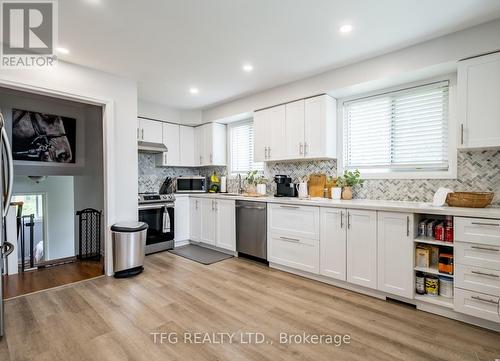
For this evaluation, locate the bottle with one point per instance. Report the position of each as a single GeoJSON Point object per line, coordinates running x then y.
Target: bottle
{"type": "Point", "coordinates": [420, 283]}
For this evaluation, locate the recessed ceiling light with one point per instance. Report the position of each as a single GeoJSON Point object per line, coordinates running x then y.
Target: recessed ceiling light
{"type": "Point", "coordinates": [62, 50]}
{"type": "Point", "coordinates": [248, 67]}
{"type": "Point", "coordinates": [346, 28]}
{"type": "Point", "coordinates": [194, 90]}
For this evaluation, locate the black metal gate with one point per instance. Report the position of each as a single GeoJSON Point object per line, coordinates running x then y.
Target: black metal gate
{"type": "Point", "coordinates": [89, 242]}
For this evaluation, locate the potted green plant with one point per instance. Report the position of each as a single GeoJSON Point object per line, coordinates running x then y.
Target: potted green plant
{"type": "Point", "coordinates": [261, 185]}
{"type": "Point", "coordinates": [347, 181]}
{"type": "Point", "coordinates": [251, 181]}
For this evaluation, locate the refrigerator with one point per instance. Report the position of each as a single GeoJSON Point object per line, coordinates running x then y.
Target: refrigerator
{"type": "Point", "coordinates": [7, 182]}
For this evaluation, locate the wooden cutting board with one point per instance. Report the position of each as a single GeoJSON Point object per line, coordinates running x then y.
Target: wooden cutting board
{"type": "Point", "coordinates": [317, 184]}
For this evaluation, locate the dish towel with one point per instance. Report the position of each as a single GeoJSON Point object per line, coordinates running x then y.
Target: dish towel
{"type": "Point", "coordinates": [440, 196]}
{"type": "Point", "coordinates": [166, 223]}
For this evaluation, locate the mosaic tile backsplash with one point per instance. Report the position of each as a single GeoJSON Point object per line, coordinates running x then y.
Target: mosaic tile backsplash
{"type": "Point", "coordinates": [477, 171]}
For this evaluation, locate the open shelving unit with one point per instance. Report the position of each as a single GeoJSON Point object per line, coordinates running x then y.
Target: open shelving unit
{"type": "Point", "coordinates": [449, 247]}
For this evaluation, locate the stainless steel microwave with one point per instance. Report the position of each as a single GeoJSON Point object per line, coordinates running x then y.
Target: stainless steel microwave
{"type": "Point", "coordinates": [191, 184]}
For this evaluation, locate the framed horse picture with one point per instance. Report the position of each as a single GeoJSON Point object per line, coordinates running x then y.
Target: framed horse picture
{"type": "Point", "coordinates": [43, 137]}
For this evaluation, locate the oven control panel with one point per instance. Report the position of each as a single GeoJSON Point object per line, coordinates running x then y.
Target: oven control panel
{"type": "Point", "coordinates": [155, 198]}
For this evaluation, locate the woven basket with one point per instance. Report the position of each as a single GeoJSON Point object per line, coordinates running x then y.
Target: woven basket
{"type": "Point", "coordinates": [470, 199]}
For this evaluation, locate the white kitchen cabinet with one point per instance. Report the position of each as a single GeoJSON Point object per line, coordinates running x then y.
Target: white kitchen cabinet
{"type": "Point", "coordinates": [320, 127]}
{"type": "Point", "coordinates": [477, 304]}
{"type": "Point", "coordinates": [269, 134]}
{"type": "Point", "coordinates": [225, 229]}
{"type": "Point", "coordinates": [395, 253]}
{"type": "Point", "coordinates": [293, 236]}
{"type": "Point", "coordinates": [187, 146]}
{"type": "Point", "coordinates": [149, 131]}
{"type": "Point", "coordinates": [333, 237]}
{"type": "Point", "coordinates": [294, 252]}
{"type": "Point", "coordinates": [210, 148]}
{"type": "Point", "coordinates": [362, 247]}
{"type": "Point", "coordinates": [294, 129]}
{"type": "Point", "coordinates": [294, 221]}
{"type": "Point", "coordinates": [207, 234]}
{"type": "Point", "coordinates": [217, 222]}
{"type": "Point", "coordinates": [171, 139]}
{"type": "Point", "coordinates": [195, 219]}
{"type": "Point", "coordinates": [182, 216]}
{"type": "Point", "coordinates": [301, 129]}
{"type": "Point", "coordinates": [478, 105]}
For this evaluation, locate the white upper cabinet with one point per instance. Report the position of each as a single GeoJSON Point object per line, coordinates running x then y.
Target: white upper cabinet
{"type": "Point", "coordinates": [296, 130]}
{"type": "Point", "coordinates": [395, 253]}
{"type": "Point", "coordinates": [186, 140]}
{"type": "Point", "coordinates": [320, 127]}
{"type": "Point", "coordinates": [210, 144]}
{"type": "Point", "coordinates": [478, 102]}
{"type": "Point", "coordinates": [172, 141]}
{"type": "Point", "coordinates": [149, 130]}
{"type": "Point", "coordinates": [362, 247]}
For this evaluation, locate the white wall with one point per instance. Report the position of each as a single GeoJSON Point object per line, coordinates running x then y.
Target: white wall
{"type": "Point", "coordinates": [120, 94]}
{"type": "Point", "coordinates": [428, 59]}
{"type": "Point", "coordinates": [60, 212]}
{"type": "Point", "coordinates": [161, 112]}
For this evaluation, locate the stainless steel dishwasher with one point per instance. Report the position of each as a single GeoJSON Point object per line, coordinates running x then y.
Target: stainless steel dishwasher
{"type": "Point", "coordinates": [251, 229]}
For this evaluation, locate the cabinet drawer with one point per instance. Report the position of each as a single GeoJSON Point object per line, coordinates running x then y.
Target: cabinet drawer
{"type": "Point", "coordinates": [477, 230]}
{"type": "Point", "coordinates": [477, 304]}
{"type": "Point", "coordinates": [478, 279]}
{"type": "Point", "coordinates": [302, 254]}
{"type": "Point", "coordinates": [479, 255]}
{"type": "Point", "coordinates": [295, 221]}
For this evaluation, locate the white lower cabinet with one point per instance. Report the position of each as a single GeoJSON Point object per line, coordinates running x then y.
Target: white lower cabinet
{"type": "Point", "coordinates": [213, 222]}
{"type": "Point", "coordinates": [182, 218]}
{"type": "Point", "coordinates": [477, 304]}
{"type": "Point", "coordinates": [293, 236]}
{"type": "Point", "coordinates": [333, 236]}
{"type": "Point", "coordinates": [194, 219]}
{"type": "Point", "coordinates": [225, 229]}
{"type": "Point", "coordinates": [395, 253]}
{"type": "Point", "coordinates": [362, 248]}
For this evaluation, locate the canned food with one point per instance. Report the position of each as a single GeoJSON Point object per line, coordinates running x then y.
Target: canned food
{"type": "Point", "coordinates": [446, 263]}
{"type": "Point", "coordinates": [422, 229]}
{"type": "Point", "coordinates": [432, 285]}
{"type": "Point", "coordinates": [420, 283]}
{"type": "Point", "coordinates": [446, 287]}
{"type": "Point", "coordinates": [439, 232]}
{"type": "Point", "coordinates": [430, 229]}
{"type": "Point", "coordinates": [448, 234]}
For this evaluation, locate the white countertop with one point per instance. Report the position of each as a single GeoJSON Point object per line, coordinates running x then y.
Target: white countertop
{"type": "Point", "coordinates": [379, 205]}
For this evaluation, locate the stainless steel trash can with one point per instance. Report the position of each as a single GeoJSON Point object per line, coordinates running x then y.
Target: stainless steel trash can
{"type": "Point", "coordinates": [129, 244]}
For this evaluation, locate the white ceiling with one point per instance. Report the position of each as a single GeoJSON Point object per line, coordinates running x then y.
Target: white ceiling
{"type": "Point", "coordinates": [169, 46]}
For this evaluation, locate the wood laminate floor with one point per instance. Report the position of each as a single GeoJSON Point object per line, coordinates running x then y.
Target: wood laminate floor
{"type": "Point", "coordinates": [110, 319]}
{"type": "Point", "coordinates": [45, 278]}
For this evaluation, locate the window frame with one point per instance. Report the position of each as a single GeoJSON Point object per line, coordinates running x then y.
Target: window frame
{"type": "Point", "coordinates": [230, 171]}
{"type": "Point", "coordinates": [451, 173]}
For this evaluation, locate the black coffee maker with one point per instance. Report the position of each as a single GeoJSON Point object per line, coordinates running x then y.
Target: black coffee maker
{"type": "Point", "coordinates": [284, 186]}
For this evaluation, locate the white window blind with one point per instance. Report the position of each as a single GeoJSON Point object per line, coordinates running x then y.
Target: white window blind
{"type": "Point", "coordinates": [406, 130]}
{"type": "Point", "coordinates": [241, 147]}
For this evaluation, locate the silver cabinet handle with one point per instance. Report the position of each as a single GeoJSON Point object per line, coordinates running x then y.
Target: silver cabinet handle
{"type": "Point", "coordinates": [250, 207]}
{"type": "Point", "coordinates": [484, 300]}
{"type": "Point", "coordinates": [265, 152]}
{"type": "Point", "coordinates": [290, 207]}
{"type": "Point", "coordinates": [216, 205]}
{"type": "Point", "coordinates": [341, 219]}
{"type": "Point", "coordinates": [301, 148]}
{"type": "Point", "coordinates": [305, 148]}
{"type": "Point", "coordinates": [138, 130]}
{"type": "Point", "coordinates": [485, 274]}
{"type": "Point", "coordinates": [407, 226]}
{"type": "Point", "coordinates": [211, 158]}
{"type": "Point", "coordinates": [212, 204]}
{"type": "Point", "coordinates": [165, 158]}
{"type": "Point", "coordinates": [142, 132]}
{"type": "Point", "coordinates": [485, 224]}
{"type": "Point", "coordinates": [269, 152]}
{"type": "Point", "coordinates": [348, 220]}
{"type": "Point", "coordinates": [200, 159]}
{"type": "Point", "coordinates": [461, 134]}
{"type": "Point", "coordinates": [485, 248]}
{"type": "Point", "coordinates": [295, 240]}
{"type": "Point", "coordinates": [10, 168]}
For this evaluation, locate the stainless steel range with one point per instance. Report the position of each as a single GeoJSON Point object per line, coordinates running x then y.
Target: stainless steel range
{"type": "Point", "coordinates": [157, 210]}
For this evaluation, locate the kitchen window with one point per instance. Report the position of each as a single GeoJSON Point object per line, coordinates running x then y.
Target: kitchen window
{"type": "Point", "coordinates": [400, 134]}
{"type": "Point", "coordinates": [241, 148]}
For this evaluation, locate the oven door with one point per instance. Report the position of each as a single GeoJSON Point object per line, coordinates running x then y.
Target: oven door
{"type": "Point", "coordinates": [160, 221]}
